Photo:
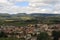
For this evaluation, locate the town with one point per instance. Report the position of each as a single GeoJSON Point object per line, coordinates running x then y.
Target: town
{"type": "Point", "coordinates": [28, 32]}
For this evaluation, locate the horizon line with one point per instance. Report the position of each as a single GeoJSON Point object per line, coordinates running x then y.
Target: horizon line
{"type": "Point", "coordinates": [30, 13]}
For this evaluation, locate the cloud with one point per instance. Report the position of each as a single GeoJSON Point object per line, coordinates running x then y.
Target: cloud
{"type": "Point", "coordinates": [38, 6]}
{"type": "Point", "coordinates": [3, 1]}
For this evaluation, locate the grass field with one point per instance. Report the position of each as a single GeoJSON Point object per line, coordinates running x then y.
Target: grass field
{"type": "Point", "coordinates": [11, 39]}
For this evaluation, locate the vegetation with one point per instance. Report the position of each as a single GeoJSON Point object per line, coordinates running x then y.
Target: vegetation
{"type": "Point", "coordinates": [24, 19]}
{"type": "Point", "coordinates": [43, 36]}
{"type": "Point", "coordinates": [11, 39]}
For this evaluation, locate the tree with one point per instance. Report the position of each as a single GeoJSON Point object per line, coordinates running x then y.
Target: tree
{"type": "Point", "coordinates": [43, 36]}
{"type": "Point", "coordinates": [2, 34]}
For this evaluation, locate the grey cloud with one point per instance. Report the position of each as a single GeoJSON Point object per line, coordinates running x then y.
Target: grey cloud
{"type": "Point", "coordinates": [40, 6]}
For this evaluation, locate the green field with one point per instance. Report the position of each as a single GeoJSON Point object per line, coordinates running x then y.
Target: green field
{"type": "Point", "coordinates": [11, 39]}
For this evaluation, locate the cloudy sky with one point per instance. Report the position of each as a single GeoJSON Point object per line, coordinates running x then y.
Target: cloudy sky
{"type": "Point", "coordinates": [29, 6]}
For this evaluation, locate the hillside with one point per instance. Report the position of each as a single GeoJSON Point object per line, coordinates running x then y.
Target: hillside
{"type": "Point", "coordinates": [24, 19]}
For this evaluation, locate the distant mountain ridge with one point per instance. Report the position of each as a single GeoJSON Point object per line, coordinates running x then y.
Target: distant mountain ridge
{"type": "Point", "coordinates": [32, 14]}
{"type": "Point", "coordinates": [44, 14]}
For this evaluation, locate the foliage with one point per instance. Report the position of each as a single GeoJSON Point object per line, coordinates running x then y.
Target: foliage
{"type": "Point", "coordinates": [43, 36]}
